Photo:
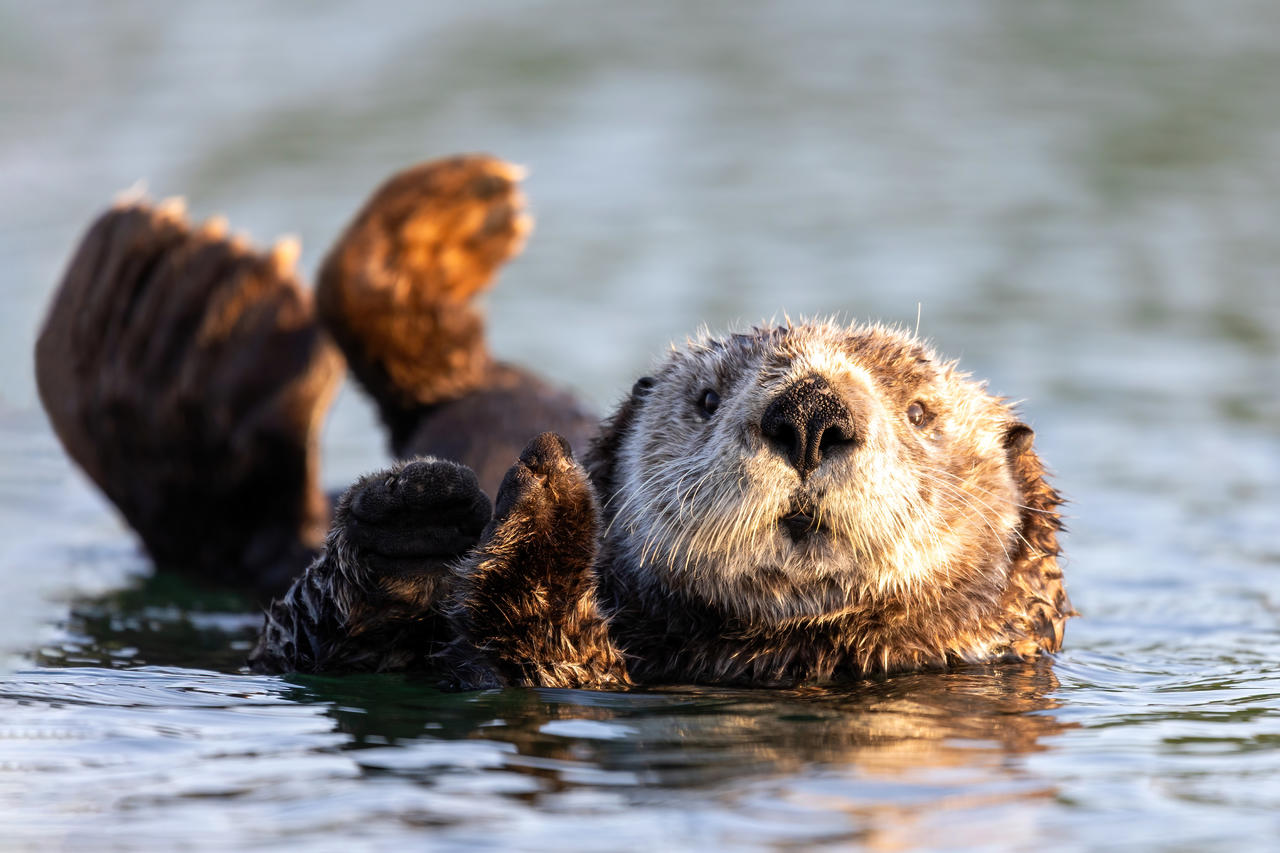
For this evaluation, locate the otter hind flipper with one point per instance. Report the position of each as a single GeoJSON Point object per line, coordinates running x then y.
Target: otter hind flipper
{"type": "Point", "coordinates": [395, 291]}
{"type": "Point", "coordinates": [187, 375]}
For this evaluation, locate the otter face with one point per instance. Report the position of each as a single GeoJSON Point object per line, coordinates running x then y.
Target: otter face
{"type": "Point", "coordinates": [813, 470]}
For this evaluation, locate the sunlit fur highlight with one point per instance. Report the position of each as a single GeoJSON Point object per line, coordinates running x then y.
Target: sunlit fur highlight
{"type": "Point", "coordinates": [918, 523]}
{"type": "Point", "coordinates": [664, 557]}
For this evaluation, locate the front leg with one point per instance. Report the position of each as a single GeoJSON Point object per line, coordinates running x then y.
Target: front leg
{"type": "Point", "coordinates": [524, 605]}
{"type": "Point", "coordinates": [372, 601]}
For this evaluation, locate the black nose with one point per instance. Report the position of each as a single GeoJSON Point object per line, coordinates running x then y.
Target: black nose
{"type": "Point", "coordinates": [808, 421]}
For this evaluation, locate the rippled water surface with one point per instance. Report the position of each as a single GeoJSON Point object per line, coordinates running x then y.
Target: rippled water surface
{"type": "Point", "coordinates": [1079, 200]}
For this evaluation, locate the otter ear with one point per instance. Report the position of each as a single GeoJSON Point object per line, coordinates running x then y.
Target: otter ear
{"type": "Point", "coordinates": [1017, 438]}
{"type": "Point", "coordinates": [600, 455]}
{"type": "Point", "coordinates": [642, 386]}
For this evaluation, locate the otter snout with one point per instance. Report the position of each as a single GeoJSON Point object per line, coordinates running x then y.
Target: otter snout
{"type": "Point", "coordinates": [807, 422]}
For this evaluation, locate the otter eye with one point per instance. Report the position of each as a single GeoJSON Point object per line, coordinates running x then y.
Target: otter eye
{"type": "Point", "coordinates": [709, 401]}
{"type": "Point", "coordinates": [916, 414]}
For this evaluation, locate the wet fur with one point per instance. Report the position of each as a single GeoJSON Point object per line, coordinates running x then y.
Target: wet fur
{"type": "Point", "coordinates": [943, 540]}
{"type": "Point", "coordinates": [396, 293]}
{"type": "Point", "coordinates": [942, 546]}
{"type": "Point", "coordinates": [406, 591]}
{"type": "Point", "coordinates": [525, 606]}
{"type": "Point", "coordinates": [939, 548]}
{"type": "Point", "coordinates": [373, 601]}
{"type": "Point", "coordinates": [188, 375]}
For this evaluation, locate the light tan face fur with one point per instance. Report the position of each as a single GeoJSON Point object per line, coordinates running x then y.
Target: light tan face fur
{"type": "Point", "coordinates": [909, 515]}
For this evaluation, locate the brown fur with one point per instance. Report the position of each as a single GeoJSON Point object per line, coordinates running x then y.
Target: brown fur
{"type": "Point", "coordinates": [518, 609]}
{"type": "Point", "coordinates": [935, 544]}
{"type": "Point", "coordinates": [525, 604]}
{"type": "Point", "coordinates": [396, 289]}
{"type": "Point", "coordinates": [374, 600]}
{"type": "Point", "coordinates": [187, 375]}
{"type": "Point", "coordinates": [396, 294]}
{"type": "Point", "coordinates": [797, 504]}
{"type": "Point", "coordinates": [1000, 594]}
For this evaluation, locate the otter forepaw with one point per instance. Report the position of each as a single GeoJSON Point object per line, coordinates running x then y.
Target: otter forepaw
{"type": "Point", "coordinates": [525, 606]}
{"type": "Point", "coordinates": [372, 600]}
{"type": "Point", "coordinates": [538, 554]}
{"type": "Point", "coordinates": [425, 509]}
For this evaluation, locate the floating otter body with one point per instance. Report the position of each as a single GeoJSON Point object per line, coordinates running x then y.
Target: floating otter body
{"type": "Point", "coordinates": [795, 504]}
{"type": "Point", "coordinates": [792, 504]}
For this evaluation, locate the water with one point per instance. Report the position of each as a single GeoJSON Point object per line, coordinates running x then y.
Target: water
{"type": "Point", "coordinates": [1077, 199]}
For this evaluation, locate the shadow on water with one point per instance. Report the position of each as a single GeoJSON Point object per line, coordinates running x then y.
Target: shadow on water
{"type": "Point", "coordinates": [159, 620]}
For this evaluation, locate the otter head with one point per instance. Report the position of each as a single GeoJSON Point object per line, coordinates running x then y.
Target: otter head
{"type": "Point", "coordinates": [809, 471]}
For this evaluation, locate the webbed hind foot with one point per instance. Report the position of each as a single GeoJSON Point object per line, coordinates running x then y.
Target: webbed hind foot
{"type": "Point", "coordinates": [187, 375]}
{"type": "Point", "coordinates": [395, 290]}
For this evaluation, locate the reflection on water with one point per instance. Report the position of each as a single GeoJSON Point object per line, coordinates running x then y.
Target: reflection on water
{"type": "Point", "coordinates": [159, 620]}
{"type": "Point", "coordinates": [1079, 198]}
{"type": "Point", "coordinates": [877, 762]}
{"type": "Point", "coordinates": [677, 737]}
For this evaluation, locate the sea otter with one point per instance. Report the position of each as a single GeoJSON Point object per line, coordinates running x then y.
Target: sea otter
{"type": "Point", "coordinates": [790, 504]}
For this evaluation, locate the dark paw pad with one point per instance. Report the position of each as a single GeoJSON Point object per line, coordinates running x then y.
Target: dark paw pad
{"type": "Point", "coordinates": [428, 508]}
